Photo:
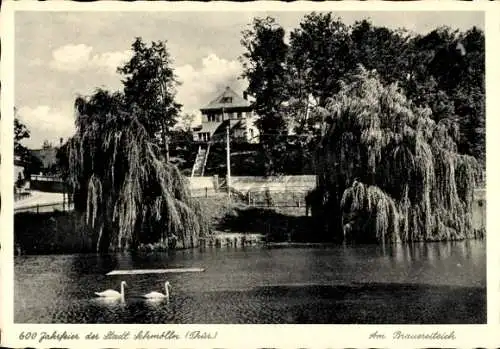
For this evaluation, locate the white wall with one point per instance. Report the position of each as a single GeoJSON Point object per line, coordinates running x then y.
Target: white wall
{"type": "Point", "coordinates": [245, 183]}
{"type": "Point", "coordinates": [197, 183]}
{"type": "Point", "coordinates": [18, 170]}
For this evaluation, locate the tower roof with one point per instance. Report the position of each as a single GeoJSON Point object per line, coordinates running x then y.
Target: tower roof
{"type": "Point", "coordinates": [227, 99]}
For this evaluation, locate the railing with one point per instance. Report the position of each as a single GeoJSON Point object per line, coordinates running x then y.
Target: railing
{"type": "Point", "coordinates": [41, 208]}
{"type": "Point", "coordinates": [205, 160]}
{"type": "Point", "coordinates": [205, 192]}
{"type": "Point", "coordinates": [194, 164]}
{"type": "Point", "coordinates": [199, 162]}
{"type": "Point", "coordinates": [278, 197]}
{"type": "Point", "coordinates": [43, 178]}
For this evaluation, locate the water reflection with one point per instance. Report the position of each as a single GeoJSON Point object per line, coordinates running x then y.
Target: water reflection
{"type": "Point", "coordinates": [440, 282]}
{"type": "Point", "coordinates": [154, 304]}
{"type": "Point", "coordinates": [109, 302]}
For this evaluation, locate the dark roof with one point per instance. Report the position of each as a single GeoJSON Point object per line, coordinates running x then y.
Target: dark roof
{"type": "Point", "coordinates": [18, 161]}
{"type": "Point", "coordinates": [209, 127]}
{"type": "Point", "coordinates": [218, 129]}
{"type": "Point", "coordinates": [227, 99]}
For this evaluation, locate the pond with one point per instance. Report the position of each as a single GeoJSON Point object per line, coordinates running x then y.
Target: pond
{"type": "Point", "coordinates": [365, 284]}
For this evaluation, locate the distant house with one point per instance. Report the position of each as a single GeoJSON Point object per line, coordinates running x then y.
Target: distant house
{"type": "Point", "coordinates": [47, 156]}
{"type": "Point", "coordinates": [227, 110]}
{"type": "Point", "coordinates": [18, 168]}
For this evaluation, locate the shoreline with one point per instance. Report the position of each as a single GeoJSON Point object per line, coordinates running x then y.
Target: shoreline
{"type": "Point", "coordinates": [234, 224]}
{"type": "Point", "coordinates": [258, 245]}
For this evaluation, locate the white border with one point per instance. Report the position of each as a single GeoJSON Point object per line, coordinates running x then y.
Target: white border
{"type": "Point", "coordinates": [254, 336]}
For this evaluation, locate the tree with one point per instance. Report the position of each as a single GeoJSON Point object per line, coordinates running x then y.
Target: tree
{"type": "Point", "coordinates": [447, 74]}
{"type": "Point", "coordinates": [185, 122]}
{"type": "Point", "coordinates": [123, 189]}
{"type": "Point", "coordinates": [47, 144]}
{"type": "Point", "coordinates": [381, 49]}
{"type": "Point", "coordinates": [20, 132]}
{"type": "Point", "coordinates": [264, 67]}
{"type": "Point", "coordinates": [320, 55]}
{"type": "Point", "coordinates": [442, 70]}
{"type": "Point", "coordinates": [31, 163]}
{"type": "Point", "coordinates": [149, 84]}
{"type": "Point", "coordinates": [388, 172]}
{"type": "Point", "coordinates": [62, 164]}
{"type": "Point", "coordinates": [470, 93]}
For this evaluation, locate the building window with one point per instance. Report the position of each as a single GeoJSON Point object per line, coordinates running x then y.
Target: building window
{"type": "Point", "coordinates": [239, 115]}
{"type": "Point", "coordinates": [251, 133]}
{"type": "Point", "coordinates": [227, 100]}
{"type": "Point", "coordinates": [203, 136]}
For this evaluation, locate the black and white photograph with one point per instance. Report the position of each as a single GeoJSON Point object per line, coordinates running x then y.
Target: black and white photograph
{"type": "Point", "coordinates": [249, 167]}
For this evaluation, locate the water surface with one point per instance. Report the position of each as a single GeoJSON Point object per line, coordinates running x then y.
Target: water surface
{"type": "Point", "coordinates": [422, 283]}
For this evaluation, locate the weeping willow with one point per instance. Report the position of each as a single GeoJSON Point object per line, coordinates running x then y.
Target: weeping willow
{"type": "Point", "coordinates": [387, 172]}
{"type": "Point", "coordinates": [127, 193]}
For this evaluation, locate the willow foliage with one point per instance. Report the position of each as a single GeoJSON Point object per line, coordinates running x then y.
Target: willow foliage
{"type": "Point", "coordinates": [128, 193]}
{"type": "Point", "coordinates": [388, 172]}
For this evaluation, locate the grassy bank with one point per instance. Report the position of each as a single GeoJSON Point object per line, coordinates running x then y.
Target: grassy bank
{"type": "Point", "coordinates": [62, 232]}
{"type": "Point", "coordinates": [277, 223]}
{"type": "Point", "coordinates": [51, 232]}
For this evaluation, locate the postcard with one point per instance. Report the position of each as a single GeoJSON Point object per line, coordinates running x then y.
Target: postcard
{"type": "Point", "coordinates": [263, 174]}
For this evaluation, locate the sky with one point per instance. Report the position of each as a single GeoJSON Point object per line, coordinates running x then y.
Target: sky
{"type": "Point", "coordinates": [59, 55]}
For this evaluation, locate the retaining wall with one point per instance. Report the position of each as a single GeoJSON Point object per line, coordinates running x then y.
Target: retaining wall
{"type": "Point", "coordinates": [246, 184]}
{"type": "Point", "coordinates": [198, 183]}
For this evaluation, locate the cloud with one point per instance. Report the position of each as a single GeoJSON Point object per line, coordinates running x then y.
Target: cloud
{"type": "Point", "coordinates": [200, 86]}
{"type": "Point", "coordinates": [200, 83]}
{"type": "Point", "coordinates": [71, 58]}
{"type": "Point", "coordinates": [75, 58]}
{"type": "Point", "coordinates": [110, 60]}
{"type": "Point", "coordinates": [46, 123]}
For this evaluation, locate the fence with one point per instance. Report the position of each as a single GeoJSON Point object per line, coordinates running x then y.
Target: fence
{"type": "Point", "coordinates": [204, 192]}
{"type": "Point", "coordinates": [44, 178]}
{"type": "Point", "coordinates": [278, 197]}
{"type": "Point", "coordinates": [48, 184]}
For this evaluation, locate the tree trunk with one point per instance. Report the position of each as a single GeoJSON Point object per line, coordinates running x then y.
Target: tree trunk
{"type": "Point", "coordinates": [167, 149]}
{"type": "Point", "coordinates": [166, 140]}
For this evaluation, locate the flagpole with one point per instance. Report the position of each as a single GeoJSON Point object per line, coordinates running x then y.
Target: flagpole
{"type": "Point", "coordinates": [228, 158]}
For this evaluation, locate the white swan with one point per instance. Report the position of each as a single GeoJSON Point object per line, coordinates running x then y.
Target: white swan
{"type": "Point", "coordinates": [158, 295]}
{"type": "Point", "coordinates": [112, 293]}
